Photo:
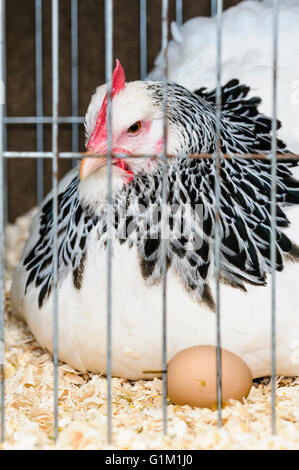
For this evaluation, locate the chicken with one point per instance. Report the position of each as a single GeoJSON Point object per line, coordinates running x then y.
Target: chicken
{"type": "Point", "coordinates": [137, 129]}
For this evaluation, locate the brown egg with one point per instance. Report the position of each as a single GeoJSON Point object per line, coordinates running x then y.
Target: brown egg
{"type": "Point", "coordinates": [192, 374]}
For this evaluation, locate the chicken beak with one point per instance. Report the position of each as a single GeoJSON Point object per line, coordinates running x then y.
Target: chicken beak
{"type": "Point", "coordinates": [89, 165]}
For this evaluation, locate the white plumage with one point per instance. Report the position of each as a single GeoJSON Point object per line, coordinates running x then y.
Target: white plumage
{"type": "Point", "coordinates": [137, 303]}
{"type": "Point", "coordinates": [246, 55]}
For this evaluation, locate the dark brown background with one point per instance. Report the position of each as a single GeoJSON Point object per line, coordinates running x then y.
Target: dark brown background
{"type": "Point", "coordinates": [20, 37]}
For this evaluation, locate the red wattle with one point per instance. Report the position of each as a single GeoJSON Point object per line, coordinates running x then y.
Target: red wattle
{"type": "Point", "coordinates": [122, 164]}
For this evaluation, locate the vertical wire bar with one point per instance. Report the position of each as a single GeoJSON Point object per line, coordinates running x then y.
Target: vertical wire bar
{"type": "Point", "coordinates": [213, 7]}
{"type": "Point", "coordinates": [217, 164]}
{"type": "Point", "coordinates": [55, 103]}
{"type": "Point", "coordinates": [275, 4]}
{"type": "Point", "coordinates": [39, 96]}
{"type": "Point", "coordinates": [2, 335]}
{"type": "Point", "coordinates": [108, 67]}
{"type": "Point", "coordinates": [75, 78]}
{"type": "Point", "coordinates": [179, 12]}
{"type": "Point", "coordinates": [143, 39]}
{"type": "Point", "coordinates": [3, 19]}
{"type": "Point", "coordinates": [164, 211]}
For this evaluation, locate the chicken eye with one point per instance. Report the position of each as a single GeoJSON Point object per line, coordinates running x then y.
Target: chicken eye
{"type": "Point", "coordinates": [135, 128]}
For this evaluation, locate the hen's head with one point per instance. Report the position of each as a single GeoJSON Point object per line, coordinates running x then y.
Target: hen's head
{"type": "Point", "coordinates": [137, 129]}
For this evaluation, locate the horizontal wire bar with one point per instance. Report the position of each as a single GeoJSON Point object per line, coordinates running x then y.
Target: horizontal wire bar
{"type": "Point", "coordinates": [247, 156]}
{"type": "Point", "coordinates": [43, 120]}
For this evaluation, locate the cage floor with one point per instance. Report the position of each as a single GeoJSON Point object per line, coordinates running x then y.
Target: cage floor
{"type": "Point", "coordinates": [137, 413]}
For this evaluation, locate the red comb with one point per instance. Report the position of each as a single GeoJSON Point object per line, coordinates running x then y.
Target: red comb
{"type": "Point", "coordinates": [100, 131]}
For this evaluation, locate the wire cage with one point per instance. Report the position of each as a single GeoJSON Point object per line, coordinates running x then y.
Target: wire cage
{"type": "Point", "coordinates": [55, 120]}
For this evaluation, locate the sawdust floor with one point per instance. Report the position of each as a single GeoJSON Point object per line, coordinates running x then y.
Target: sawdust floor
{"type": "Point", "coordinates": [137, 413]}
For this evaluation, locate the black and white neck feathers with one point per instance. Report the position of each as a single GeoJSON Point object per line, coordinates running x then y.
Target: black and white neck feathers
{"type": "Point", "coordinates": [193, 115]}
